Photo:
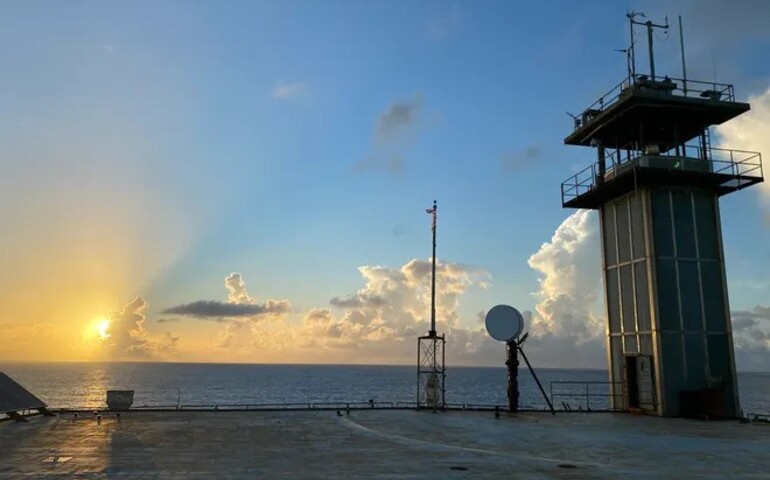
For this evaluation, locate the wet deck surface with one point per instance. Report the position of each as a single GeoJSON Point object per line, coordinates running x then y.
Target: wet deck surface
{"type": "Point", "coordinates": [380, 444]}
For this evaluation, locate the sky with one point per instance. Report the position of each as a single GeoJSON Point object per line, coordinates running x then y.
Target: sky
{"type": "Point", "coordinates": [247, 181]}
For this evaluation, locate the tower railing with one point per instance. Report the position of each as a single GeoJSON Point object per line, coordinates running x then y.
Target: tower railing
{"type": "Point", "coordinates": [579, 395]}
{"type": "Point", "coordinates": [739, 167]}
{"type": "Point", "coordinates": [666, 86]}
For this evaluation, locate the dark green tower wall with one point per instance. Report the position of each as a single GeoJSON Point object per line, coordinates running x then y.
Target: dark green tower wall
{"type": "Point", "coordinates": [692, 303]}
{"type": "Point", "coordinates": [666, 297]}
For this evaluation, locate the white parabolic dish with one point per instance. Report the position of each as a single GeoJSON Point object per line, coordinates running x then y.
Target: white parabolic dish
{"type": "Point", "coordinates": [504, 323]}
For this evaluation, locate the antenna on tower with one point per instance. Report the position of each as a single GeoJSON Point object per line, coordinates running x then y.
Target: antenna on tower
{"type": "Point", "coordinates": [650, 26]}
{"type": "Point", "coordinates": [681, 47]}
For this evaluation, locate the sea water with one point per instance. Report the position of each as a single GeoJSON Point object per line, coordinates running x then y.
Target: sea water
{"type": "Point", "coordinates": [78, 385]}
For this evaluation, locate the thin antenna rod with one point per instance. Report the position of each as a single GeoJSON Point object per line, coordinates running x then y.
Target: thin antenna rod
{"type": "Point", "coordinates": [649, 46]}
{"type": "Point", "coordinates": [684, 66]}
{"type": "Point", "coordinates": [432, 332]}
{"type": "Point", "coordinates": [649, 26]}
{"type": "Point", "coordinates": [631, 53]}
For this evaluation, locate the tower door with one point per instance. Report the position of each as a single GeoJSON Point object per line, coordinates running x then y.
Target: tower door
{"type": "Point", "coordinates": [645, 388]}
{"type": "Point", "coordinates": [639, 384]}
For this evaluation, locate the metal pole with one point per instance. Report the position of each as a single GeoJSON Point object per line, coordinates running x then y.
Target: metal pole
{"type": "Point", "coordinates": [649, 46]}
{"type": "Point", "coordinates": [513, 376]}
{"type": "Point", "coordinates": [432, 332]}
{"type": "Point", "coordinates": [419, 363]}
{"type": "Point", "coordinates": [631, 48]}
{"type": "Point", "coordinates": [684, 67]}
{"type": "Point", "coordinates": [443, 371]}
{"type": "Point", "coordinates": [540, 386]}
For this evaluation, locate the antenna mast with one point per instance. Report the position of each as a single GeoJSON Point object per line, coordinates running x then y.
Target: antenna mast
{"type": "Point", "coordinates": [431, 348]}
{"type": "Point", "coordinates": [631, 20]}
{"type": "Point", "coordinates": [432, 332]}
{"type": "Point", "coordinates": [684, 67]}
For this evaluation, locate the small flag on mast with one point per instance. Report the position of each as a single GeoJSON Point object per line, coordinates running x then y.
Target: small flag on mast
{"type": "Point", "coordinates": [432, 211]}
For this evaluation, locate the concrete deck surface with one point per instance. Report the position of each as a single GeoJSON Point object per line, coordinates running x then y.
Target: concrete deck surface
{"type": "Point", "coordinates": [380, 444]}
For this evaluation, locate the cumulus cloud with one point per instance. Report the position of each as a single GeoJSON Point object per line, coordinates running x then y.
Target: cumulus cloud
{"type": "Point", "coordinates": [359, 300]}
{"type": "Point", "coordinates": [751, 338]}
{"type": "Point", "coordinates": [393, 309]}
{"type": "Point", "coordinates": [570, 283]}
{"type": "Point", "coordinates": [128, 337]}
{"type": "Point", "coordinates": [290, 91]}
{"type": "Point", "coordinates": [750, 132]}
{"type": "Point", "coordinates": [376, 324]}
{"type": "Point", "coordinates": [239, 304]}
{"type": "Point", "coordinates": [565, 327]}
{"type": "Point", "coordinates": [380, 321]}
{"type": "Point", "coordinates": [394, 132]}
{"type": "Point", "coordinates": [236, 289]}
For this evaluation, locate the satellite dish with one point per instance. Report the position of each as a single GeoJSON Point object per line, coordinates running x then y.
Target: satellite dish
{"type": "Point", "coordinates": [504, 323]}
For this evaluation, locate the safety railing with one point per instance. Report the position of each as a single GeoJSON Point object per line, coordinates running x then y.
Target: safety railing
{"type": "Point", "coordinates": [585, 396]}
{"type": "Point", "coordinates": [301, 406]}
{"type": "Point", "coordinates": [664, 86]}
{"type": "Point", "coordinates": [741, 167]}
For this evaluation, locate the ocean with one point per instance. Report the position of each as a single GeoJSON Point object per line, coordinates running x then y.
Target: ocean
{"type": "Point", "coordinates": [75, 385]}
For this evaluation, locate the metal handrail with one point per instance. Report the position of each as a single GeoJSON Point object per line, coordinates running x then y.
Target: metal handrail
{"type": "Point", "coordinates": [585, 394]}
{"type": "Point", "coordinates": [722, 161]}
{"type": "Point", "coordinates": [667, 85]}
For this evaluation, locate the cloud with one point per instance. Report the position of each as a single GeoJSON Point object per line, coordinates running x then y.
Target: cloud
{"type": "Point", "coordinates": [750, 132]}
{"type": "Point", "coordinates": [447, 23]}
{"type": "Point", "coordinates": [393, 308]}
{"type": "Point", "coordinates": [751, 337]}
{"type": "Point", "coordinates": [376, 324]}
{"type": "Point", "coordinates": [570, 283]}
{"type": "Point", "coordinates": [127, 336]}
{"type": "Point", "coordinates": [290, 91]}
{"type": "Point", "coordinates": [379, 322]}
{"type": "Point", "coordinates": [359, 300]}
{"type": "Point", "coordinates": [565, 327]}
{"type": "Point", "coordinates": [514, 161]}
{"type": "Point", "coordinates": [394, 132]}
{"type": "Point", "coordinates": [239, 305]}
{"type": "Point", "coordinates": [168, 320]}
{"type": "Point", "coordinates": [236, 289]}
{"type": "Point", "coordinates": [220, 310]}
{"type": "Point", "coordinates": [399, 119]}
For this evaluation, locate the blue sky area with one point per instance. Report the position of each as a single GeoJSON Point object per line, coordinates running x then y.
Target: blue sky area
{"type": "Point", "coordinates": [294, 142]}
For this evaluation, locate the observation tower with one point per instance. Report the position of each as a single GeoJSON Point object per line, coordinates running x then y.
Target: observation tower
{"type": "Point", "coordinates": [656, 183]}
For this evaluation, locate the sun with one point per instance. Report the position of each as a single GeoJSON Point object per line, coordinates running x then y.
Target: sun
{"type": "Point", "coordinates": [102, 329]}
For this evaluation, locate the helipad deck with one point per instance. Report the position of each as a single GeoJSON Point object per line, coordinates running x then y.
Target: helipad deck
{"type": "Point", "coordinates": [380, 444]}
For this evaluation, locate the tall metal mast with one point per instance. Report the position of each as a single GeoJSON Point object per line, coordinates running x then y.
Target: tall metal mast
{"type": "Point", "coordinates": [433, 211]}
{"type": "Point", "coordinates": [431, 358]}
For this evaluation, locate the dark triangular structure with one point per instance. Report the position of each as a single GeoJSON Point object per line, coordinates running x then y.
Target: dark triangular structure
{"type": "Point", "coordinates": [15, 399]}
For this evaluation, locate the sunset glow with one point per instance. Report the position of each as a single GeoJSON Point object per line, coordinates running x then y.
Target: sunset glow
{"type": "Point", "coordinates": [102, 329]}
